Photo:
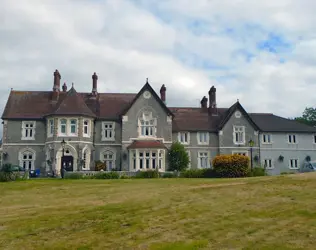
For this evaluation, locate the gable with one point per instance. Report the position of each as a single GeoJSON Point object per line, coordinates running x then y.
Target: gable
{"type": "Point", "coordinates": [231, 115]}
{"type": "Point", "coordinates": [148, 97]}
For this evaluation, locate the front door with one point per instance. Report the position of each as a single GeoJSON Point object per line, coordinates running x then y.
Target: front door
{"type": "Point", "coordinates": [67, 163]}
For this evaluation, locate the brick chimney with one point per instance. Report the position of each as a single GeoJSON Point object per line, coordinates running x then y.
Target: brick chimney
{"type": "Point", "coordinates": [94, 84]}
{"type": "Point", "coordinates": [163, 93]}
{"type": "Point", "coordinates": [204, 102]}
{"type": "Point", "coordinates": [57, 78]}
{"type": "Point", "coordinates": [65, 87]}
{"type": "Point", "coordinates": [56, 87]}
{"type": "Point", "coordinates": [212, 97]}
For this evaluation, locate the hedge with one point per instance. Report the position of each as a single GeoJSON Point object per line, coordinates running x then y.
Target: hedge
{"type": "Point", "coordinates": [231, 166]}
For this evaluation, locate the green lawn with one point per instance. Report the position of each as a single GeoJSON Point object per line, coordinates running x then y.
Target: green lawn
{"type": "Point", "coordinates": [253, 213]}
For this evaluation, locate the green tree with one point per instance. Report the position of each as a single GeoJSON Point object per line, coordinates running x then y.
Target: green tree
{"type": "Point", "coordinates": [308, 117]}
{"type": "Point", "coordinates": [178, 157]}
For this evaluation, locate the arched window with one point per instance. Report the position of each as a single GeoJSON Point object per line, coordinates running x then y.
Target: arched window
{"type": "Point", "coordinates": [86, 128]}
{"type": "Point", "coordinates": [108, 157]}
{"type": "Point", "coordinates": [27, 159]}
{"type": "Point", "coordinates": [86, 153]}
{"type": "Point", "coordinates": [147, 125]}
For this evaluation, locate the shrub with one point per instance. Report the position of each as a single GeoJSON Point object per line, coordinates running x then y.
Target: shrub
{"type": "Point", "coordinates": [231, 166]}
{"type": "Point", "coordinates": [193, 173]}
{"type": "Point", "coordinates": [168, 175]}
{"type": "Point", "coordinates": [257, 171]}
{"type": "Point", "coordinates": [148, 174]}
{"type": "Point", "coordinates": [73, 175]}
{"type": "Point", "coordinates": [107, 175]}
{"type": "Point", "coordinates": [178, 157]}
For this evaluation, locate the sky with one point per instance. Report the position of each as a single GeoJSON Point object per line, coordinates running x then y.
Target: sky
{"type": "Point", "coordinates": [260, 52]}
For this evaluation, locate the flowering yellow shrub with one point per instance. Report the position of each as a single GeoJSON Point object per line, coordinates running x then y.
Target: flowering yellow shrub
{"type": "Point", "coordinates": [231, 165]}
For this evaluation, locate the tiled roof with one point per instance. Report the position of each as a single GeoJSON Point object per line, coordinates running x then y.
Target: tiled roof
{"type": "Point", "coordinates": [272, 123]}
{"type": "Point", "coordinates": [110, 106]}
{"type": "Point", "coordinates": [72, 104]}
{"type": "Point", "coordinates": [146, 144]}
{"type": "Point", "coordinates": [195, 119]}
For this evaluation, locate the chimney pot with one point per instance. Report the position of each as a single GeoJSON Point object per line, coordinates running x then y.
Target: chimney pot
{"type": "Point", "coordinates": [204, 102]}
{"type": "Point", "coordinates": [65, 87]}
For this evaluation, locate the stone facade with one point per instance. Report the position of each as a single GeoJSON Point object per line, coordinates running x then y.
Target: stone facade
{"type": "Point", "coordinates": [132, 132]}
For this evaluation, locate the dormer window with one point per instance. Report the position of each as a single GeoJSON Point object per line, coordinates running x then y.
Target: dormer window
{"type": "Point", "coordinates": [147, 125]}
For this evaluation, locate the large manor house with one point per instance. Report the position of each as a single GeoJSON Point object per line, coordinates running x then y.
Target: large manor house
{"type": "Point", "coordinates": [133, 131]}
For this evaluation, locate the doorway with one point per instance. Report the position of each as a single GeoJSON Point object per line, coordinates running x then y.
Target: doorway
{"type": "Point", "coordinates": [67, 162]}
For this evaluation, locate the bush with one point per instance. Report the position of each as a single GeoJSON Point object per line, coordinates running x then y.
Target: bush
{"type": "Point", "coordinates": [168, 175]}
{"type": "Point", "coordinates": [74, 175]}
{"type": "Point", "coordinates": [178, 157]}
{"type": "Point", "coordinates": [107, 175]}
{"type": "Point", "coordinates": [193, 173]}
{"type": "Point", "coordinates": [257, 171]}
{"type": "Point", "coordinates": [124, 176]}
{"type": "Point", "coordinates": [231, 166]}
{"type": "Point", "coordinates": [148, 174]}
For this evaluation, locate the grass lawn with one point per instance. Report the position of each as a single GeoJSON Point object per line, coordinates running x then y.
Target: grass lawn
{"type": "Point", "coordinates": [252, 213]}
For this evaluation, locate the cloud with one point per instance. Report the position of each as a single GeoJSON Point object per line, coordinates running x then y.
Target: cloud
{"type": "Point", "coordinates": [260, 52]}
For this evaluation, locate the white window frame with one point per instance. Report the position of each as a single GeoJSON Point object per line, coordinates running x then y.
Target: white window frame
{"type": "Point", "coordinates": [147, 117]}
{"type": "Point", "coordinates": [60, 133]}
{"type": "Point", "coordinates": [240, 152]}
{"type": "Point", "coordinates": [86, 156]}
{"type": "Point", "coordinates": [26, 126]}
{"type": "Point", "coordinates": [107, 160]}
{"type": "Point", "coordinates": [199, 159]}
{"type": "Point", "coordinates": [292, 139]}
{"type": "Point", "coordinates": [50, 127]}
{"type": "Point", "coordinates": [294, 160]}
{"type": "Point", "coordinates": [268, 163]}
{"type": "Point", "coordinates": [88, 126]}
{"type": "Point", "coordinates": [27, 151]}
{"type": "Point", "coordinates": [266, 138]}
{"type": "Point", "coordinates": [243, 131]}
{"type": "Point", "coordinates": [205, 135]}
{"type": "Point", "coordinates": [144, 156]}
{"type": "Point", "coordinates": [71, 125]}
{"type": "Point", "coordinates": [182, 135]}
{"type": "Point", "coordinates": [104, 129]}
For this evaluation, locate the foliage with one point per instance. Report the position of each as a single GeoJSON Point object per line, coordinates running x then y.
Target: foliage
{"type": "Point", "coordinates": [9, 172]}
{"type": "Point", "coordinates": [198, 173]}
{"type": "Point", "coordinates": [192, 173]}
{"type": "Point", "coordinates": [106, 175]}
{"type": "Point", "coordinates": [257, 171]}
{"type": "Point", "coordinates": [74, 175]}
{"type": "Point", "coordinates": [148, 174]}
{"type": "Point", "coordinates": [308, 158]}
{"type": "Point", "coordinates": [178, 157]}
{"type": "Point", "coordinates": [308, 117]}
{"type": "Point", "coordinates": [231, 166]}
{"type": "Point", "coordinates": [169, 175]}
{"type": "Point", "coordinates": [99, 165]}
